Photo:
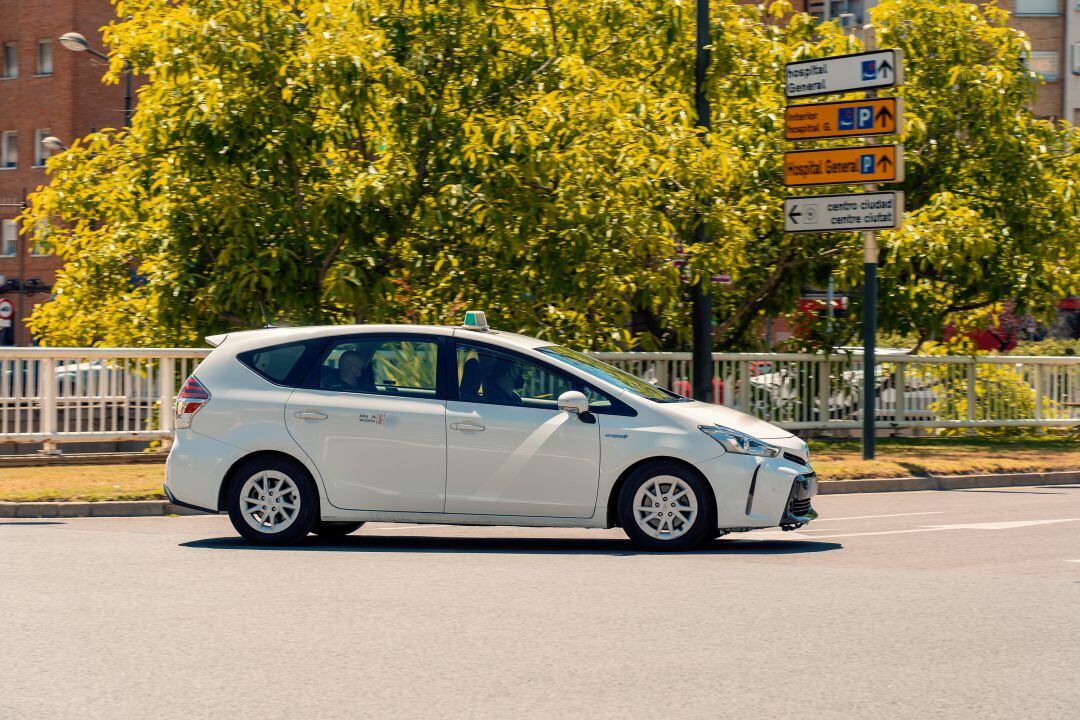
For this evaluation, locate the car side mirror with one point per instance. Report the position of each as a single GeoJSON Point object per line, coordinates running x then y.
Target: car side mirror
{"type": "Point", "coordinates": [574, 402]}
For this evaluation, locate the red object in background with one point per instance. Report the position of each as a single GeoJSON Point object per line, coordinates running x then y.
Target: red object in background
{"type": "Point", "coordinates": [682, 387]}
{"type": "Point", "coordinates": [1002, 336]}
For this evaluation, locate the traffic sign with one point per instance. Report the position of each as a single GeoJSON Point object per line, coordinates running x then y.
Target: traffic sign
{"type": "Point", "coordinates": [843, 213]}
{"type": "Point", "coordinates": [6, 310]}
{"type": "Point", "coordinates": [844, 73]}
{"type": "Point", "coordinates": [851, 118]}
{"type": "Point", "coordinates": [845, 166]}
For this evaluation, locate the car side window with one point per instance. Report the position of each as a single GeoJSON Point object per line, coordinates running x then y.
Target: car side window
{"type": "Point", "coordinates": [494, 378]}
{"type": "Point", "coordinates": [282, 364]}
{"type": "Point", "coordinates": [381, 366]}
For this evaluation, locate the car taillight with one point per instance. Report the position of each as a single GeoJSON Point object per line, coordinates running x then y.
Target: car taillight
{"type": "Point", "coordinates": [188, 402]}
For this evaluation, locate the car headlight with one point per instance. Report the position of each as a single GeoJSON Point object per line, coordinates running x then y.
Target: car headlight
{"type": "Point", "coordinates": [739, 443]}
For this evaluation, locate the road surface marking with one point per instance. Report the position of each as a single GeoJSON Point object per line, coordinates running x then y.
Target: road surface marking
{"type": "Point", "coordinates": [968, 526]}
{"type": "Point", "coordinates": [1003, 525]}
{"type": "Point", "coordinates": [867, 517]}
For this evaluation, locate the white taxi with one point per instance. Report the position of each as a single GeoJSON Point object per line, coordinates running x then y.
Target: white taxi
{"type": "Point", "coordinates": [321, 429]}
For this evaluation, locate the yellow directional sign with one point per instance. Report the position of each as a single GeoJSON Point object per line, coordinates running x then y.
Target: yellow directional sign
{"type": "Point", "coordinates": [845, 166]}
{"type": "Point", "coordinates": [851, 118]}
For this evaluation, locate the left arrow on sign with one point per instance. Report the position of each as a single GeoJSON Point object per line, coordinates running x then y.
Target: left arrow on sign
{"type": "Point", "coordinates": [794, 214]}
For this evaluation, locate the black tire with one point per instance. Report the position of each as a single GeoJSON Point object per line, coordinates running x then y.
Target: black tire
{"type": "Point", "coordinates": [307, 514]}
{"type": "Point", "coordinates": [335, 530]}
{"type": "Point", "coordinates": [687, 529]}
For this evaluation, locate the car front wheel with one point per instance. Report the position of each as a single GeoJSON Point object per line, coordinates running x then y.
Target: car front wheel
{"type": "Point", "coordinates": [273, 501]}
{"type": "Point", "coordinates": [665, 506]}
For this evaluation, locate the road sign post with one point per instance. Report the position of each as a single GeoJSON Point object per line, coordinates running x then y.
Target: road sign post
{"type": "Point", "coordinates": [850, 118]}
{"type": "Point", "coordinates": [868, 165]}
{"type": "Point", "coordinates": [844, 166]}
{"type": "Point", "coordinates": [871, 70]}
{"type": "Point", "coordinates": [844, 213]}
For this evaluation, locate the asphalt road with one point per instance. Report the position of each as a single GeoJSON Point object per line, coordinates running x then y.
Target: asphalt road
{"type": "Point", "coordinates": [962, 604]}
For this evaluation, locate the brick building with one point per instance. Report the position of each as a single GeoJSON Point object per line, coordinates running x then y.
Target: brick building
{"type": "Point", "coordinates": [45, 90]}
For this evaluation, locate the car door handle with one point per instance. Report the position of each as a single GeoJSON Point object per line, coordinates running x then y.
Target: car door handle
{"type": "Point", "coordinates": [466, 427]}
{"type": "Point", "coordinates": [310, 415]}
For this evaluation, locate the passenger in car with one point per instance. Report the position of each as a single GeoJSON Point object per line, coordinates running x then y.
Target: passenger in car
{"type": "Point", "coordinates": [355, 373]}
{"type": "Point", "coordinates": [502, 381]}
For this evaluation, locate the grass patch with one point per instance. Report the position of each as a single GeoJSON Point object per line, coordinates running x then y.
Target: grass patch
{"type": "Point", "coordinates": [84, 483]}
{"type": "Point", "coordinates": [833, 460]}
{"type": "Point", "coordinates": [903, 457]}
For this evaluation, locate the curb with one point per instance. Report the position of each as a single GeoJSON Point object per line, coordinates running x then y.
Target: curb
{"type": "Point", "coordinates": [947, 482]}
{"type": "Point", "coordinates": [124, 458]}
{"type": "Point", "coordinates": [118, 508]}
{"type": "Point", "coordinates": [148, 508]}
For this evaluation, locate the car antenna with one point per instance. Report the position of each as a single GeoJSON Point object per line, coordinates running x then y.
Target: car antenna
{"type": "Point", "coordinates": [265, 317]}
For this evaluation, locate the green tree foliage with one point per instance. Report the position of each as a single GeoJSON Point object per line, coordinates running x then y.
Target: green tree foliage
{"type": "Point", "coordinates": [367, 160]}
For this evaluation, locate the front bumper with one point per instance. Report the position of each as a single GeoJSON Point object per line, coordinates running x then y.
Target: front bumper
{"type": "Point", "coordinates": [799, 510]}
{"type": "Point", "coordinates": [759, 493]}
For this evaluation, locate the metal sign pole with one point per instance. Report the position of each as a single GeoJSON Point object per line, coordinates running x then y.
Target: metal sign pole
{"type": "Point", "coordinates": [702, 301]}
{"type": "Point", "coordinates": [870, 267]}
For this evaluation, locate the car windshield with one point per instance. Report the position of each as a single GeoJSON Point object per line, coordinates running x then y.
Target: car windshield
{"type": "Point", "coordinates": [611, 374]}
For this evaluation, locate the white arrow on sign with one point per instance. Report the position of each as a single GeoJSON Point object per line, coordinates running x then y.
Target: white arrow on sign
{"type": "Point", "coordinates": [844, 213]}
{"type": "Point", "coordinates": [844, 73]}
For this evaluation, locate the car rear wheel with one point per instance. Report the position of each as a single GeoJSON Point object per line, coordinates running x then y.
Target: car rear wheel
{"type": "Point", "coordinates": [665, 506]}
{"type": "Point", "coordinates": [273, 501]}
{"type": "Point", "coordinates": [336, 530]}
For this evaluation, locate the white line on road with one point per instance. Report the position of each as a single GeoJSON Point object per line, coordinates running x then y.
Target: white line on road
{"type": "Point", "coordinates": [968, 526]}
{"type": "Point", "coordinates": [867, 517]}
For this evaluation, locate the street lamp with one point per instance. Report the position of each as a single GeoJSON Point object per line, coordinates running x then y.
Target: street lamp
{"type": "Point", "coordinates": [76, 42]}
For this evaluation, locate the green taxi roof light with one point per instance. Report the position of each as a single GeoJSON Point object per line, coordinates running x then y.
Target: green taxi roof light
{"type": "Point", "coordinates": [475, 320]}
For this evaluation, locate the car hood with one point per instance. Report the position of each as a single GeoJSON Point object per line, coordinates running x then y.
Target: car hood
{"type": "Point", "coordinates": [700, 413]}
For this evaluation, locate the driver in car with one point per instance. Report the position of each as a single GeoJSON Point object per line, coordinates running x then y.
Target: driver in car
{"type": "Point", "coordinates": [502, 382]}
{"type": "Point", "coordinates": [355, 373]}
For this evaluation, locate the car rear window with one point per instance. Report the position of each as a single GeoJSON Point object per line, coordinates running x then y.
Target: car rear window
{"type": "Point", "coordinates": [281, 364]}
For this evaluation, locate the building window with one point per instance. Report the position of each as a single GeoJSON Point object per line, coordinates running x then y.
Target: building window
{"type": "Point", "coordinates": [1037, 7]}
{"type": "Point", "coordinates": [41, 153]}
{"type": "Point", "coordinates": [11, 61]}
{"type": "Point", "coordinates": [1076, 58]}
{"type": "Point", "coordinates": [843, 11]}
{"type": "Point", "coordinates": [9, 150]}
{"type": "Point", "coordinates": [44, 57]}
{"type": "Point", "coordinates": [9, 238]}
{"type": "Point", "coordinates": [1044, 63]}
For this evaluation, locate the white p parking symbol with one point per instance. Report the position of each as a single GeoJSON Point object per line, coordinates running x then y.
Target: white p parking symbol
{"type": "Point", "coordinates": [865, 117]}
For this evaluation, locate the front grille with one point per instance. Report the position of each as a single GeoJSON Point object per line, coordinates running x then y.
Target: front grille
{"type": "Point", "coordinates": [795, 459]}
{"type": "Point", "coordinates": [799, 508]}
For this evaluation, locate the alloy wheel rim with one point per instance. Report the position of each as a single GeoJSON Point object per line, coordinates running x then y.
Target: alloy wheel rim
{"type": "Point", "coordinates": [665, 507]}
{"type": "Point", "coordinates": [270, 501]}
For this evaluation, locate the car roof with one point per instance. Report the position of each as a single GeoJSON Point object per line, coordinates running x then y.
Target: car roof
{"type": "Point", "coordinates": [276, 335]}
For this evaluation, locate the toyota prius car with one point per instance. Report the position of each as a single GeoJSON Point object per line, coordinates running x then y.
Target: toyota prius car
{"type": "Point", "coordinates": [320, 429]}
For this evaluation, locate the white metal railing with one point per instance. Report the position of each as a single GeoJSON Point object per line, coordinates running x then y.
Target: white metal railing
{"type": "Point", "coordinates": [73, 395]}
{"type": "Point", "coordinates": [804, 391]}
